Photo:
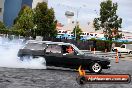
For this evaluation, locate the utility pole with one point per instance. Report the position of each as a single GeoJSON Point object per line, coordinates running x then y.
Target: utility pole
{"type": "Point", "coordinates": [77, 13]}
{"type": "Point", "coordinates": [76, 23]}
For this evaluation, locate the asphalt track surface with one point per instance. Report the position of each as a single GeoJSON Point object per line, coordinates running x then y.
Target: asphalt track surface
{"type": "Point", "coordinates": [57, 77]}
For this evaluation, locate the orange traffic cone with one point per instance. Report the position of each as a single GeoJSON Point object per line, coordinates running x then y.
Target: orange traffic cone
{"type": "Point", "coordinates": [117, 59]}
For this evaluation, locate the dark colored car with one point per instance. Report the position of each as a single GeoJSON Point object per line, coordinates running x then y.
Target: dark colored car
{"type": "Point", "coordinates": [56, 54]}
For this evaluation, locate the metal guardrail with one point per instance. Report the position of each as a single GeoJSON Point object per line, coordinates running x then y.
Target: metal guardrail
{"type": "Point", "coordinates": [110, 55]}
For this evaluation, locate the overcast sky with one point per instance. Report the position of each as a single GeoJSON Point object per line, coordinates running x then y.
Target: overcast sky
{"type": "Point", "coordinates": [89, 9]}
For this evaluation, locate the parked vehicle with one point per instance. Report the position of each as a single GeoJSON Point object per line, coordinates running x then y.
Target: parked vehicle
{"type": "Point", "coordinates": [57, 54]}
{"type": "Point", "coordinates": [84, 37]}
{"type": "Point", "coordinates": [119, 40]}
{"type": "Point", "coordinates": [65, 36]}
{"type": "Point", "coordinates": [124, 48]}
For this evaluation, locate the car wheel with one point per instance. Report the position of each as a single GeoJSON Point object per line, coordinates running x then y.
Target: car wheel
{"type": "Point", "coordinates": [114, 50]}
{"type": "Point", "coordinates": [130, 52]}
{"type": "Point", "coordinates": [26, 57]}
{"type": "Point", "coordinates": [40, 59]}
{"type": "Point", "coordinates": [95, 67]}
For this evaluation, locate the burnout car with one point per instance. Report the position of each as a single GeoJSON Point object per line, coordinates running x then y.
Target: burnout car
{"type": "Point", "coordinates": [66, 55]}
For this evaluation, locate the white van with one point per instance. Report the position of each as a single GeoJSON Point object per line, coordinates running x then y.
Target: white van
{"type": "Point", "coordinates": [124, 48]}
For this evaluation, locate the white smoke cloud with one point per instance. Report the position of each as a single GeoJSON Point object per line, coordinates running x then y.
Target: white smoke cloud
{"type": "Point", "coordinates": [8, 56]}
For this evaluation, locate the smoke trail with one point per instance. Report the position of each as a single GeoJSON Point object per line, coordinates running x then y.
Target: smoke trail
{"type": "Point", "coordinates": [8, 56]}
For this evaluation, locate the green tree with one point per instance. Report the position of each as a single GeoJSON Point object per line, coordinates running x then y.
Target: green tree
{"type": "Point", "coordinates": [24, 21]}
{"type": "Point", "coordinates": [2, 26]}
{"type": "Point", "coordinates": [108, 19]}
{"type": "Point", "coordinates": [77, 30]}
{"type": "Point", "coordinates": [44, 20]}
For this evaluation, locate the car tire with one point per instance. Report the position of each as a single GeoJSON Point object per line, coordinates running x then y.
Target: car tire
{"type": "Point", "coordinates": [42, 59]}
{"type": "Point", "coordinates": [95, 67]}
{"type": "Point", "coordinates": [130, 52]}
{"type": "Point", "coordinates": [25, 57]}
{"type": "Point", "coordinates": [114, 50]}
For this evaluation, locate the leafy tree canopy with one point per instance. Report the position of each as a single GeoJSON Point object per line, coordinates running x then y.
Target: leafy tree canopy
{"type": "Point", "coordinates": [108, 19]}
{"type": "Point", "coordinates": [2, 26]}
{"type": "Point", "coordinates": [24, 21]}
{"type": "Point", "coordinates": [44, 20]}
{"type": "Point", "coordinates": [77, 30]}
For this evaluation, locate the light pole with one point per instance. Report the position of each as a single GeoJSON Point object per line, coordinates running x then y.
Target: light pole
{"type": "Point", "coordinates": [77, 23]}
{"type": "Point", "coordinates": [77, 12]}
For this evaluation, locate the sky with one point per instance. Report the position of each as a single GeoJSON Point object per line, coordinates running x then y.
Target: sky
{"type": "Point", "coordinates": [89, 9]}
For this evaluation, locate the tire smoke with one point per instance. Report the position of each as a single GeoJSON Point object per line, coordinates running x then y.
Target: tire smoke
{"type": "Point", "coordinates": [8, 56]}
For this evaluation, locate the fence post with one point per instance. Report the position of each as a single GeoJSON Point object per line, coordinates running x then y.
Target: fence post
{"type": "Point", "coordinates": [90, 48]}
{"type": "Point", "coordinates": [105, 50]}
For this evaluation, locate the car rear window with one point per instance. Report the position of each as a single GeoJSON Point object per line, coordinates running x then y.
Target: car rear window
{"type": "Point", "coordinates": [53, 49]}
{"type": "Point", "coordinates": [123, 46]}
